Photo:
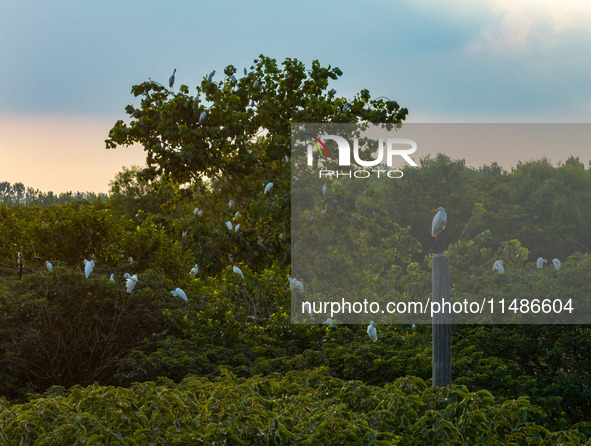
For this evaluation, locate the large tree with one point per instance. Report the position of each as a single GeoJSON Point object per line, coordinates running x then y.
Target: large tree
{"type": "Point", "coordinates": [230, 138]}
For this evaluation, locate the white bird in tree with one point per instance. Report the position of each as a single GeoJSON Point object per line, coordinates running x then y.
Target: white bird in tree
{"type": "Point", "coordinates": [372, 332]}
{"type": "Point", "coordinates": [286, 158]}
{"type": "Point", "coordinates": [245, 71]}
{"type": "Point", "coordinates": [195, 211]}
{"type": "Point", "coordinates": [131, 282]}
{"type": "Point", "coordinates": [171, 79]}
{"type": "Point", "coordinates": [256, 84]}
{"type": "Point", "coordinates": [180, 293]}
{"type": "Point", "coordinates": [202, 116]}
{"type": "Point", "coordinates": [346, 107]}
{"type": "Point", "coordinates": [88, 267]}
{"type": "Point", "coordinates": [498, 265]}
{"type": "Point", "coordinates": [556, 264]}
{"type": "Point", "coordinates": [540, 262]}
{"type": "Point", "coordinates": [237, 227]}
{"type": "Point", "coordinates": [332, 91]}
{"type": "Point", "coordinates": [330, 322]}
{"type": "Point", "coordinates": [238, 271]}
{"type": "Point", "coordinates": [268, 187]}
{"type": "Point", "coordinates": [112, 278]}
{"type": "Point", "coordinates": [438, 224]}
{"type": "Point", "coordinates": [194, 271]}
{"type": "Point", "coordinates": [295, 284]}
{"type": "Point", "coordinates": [130, 260]}
{"type": "Point", "coordinates": [230, 203]}
{"type": "Point", "coordinates": [324, 189]}
{"type": "Point", "coordinates": [49, 266]}
{"type": "Point", "coordinates": [211, 75]}
{"type": "Point", "coordinates": [229, 225]}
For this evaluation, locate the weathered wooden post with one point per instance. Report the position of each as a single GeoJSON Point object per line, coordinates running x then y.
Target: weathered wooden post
{"type": "Point", "coordinates": [441, 322]}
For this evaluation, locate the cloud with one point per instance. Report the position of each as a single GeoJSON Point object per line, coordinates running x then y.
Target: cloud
{"type": "Point", "coordinates": [519, 25]}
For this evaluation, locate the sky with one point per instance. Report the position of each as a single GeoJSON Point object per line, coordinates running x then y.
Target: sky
{"type": "Point", "coordinates": [67, 67]}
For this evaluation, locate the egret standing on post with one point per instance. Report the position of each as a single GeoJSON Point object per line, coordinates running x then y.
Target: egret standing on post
{"type": "Point", "coordinates": [171, 79]}
{"type": "Point", "coordinates": [438, 225]}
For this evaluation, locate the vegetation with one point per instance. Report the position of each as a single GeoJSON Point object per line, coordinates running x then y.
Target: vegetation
{"type": "Point", "coordinates": [83, 361]}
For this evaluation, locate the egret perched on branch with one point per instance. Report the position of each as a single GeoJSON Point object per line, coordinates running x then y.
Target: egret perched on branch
{"type": "Point", "coordinates": [211, 75]}
{"type": "Point", "coordinates": [237, 227]}
{"type": "Point", "coordinates": [245, 71]}
{"type": "Point", "coordinates": [295, 284]}
{"type": "Point", "coordinates": [238, 271]}
{"type": "Point", "coordinates": [171, 79]}
{"type": "Point", "coordinates": [112, 278]}
{"type": "Point", "coordinates": [324, 189]}
{"type": "Point", "coordinates": [330, 322]}
{"type": "Point", "coordinates": [439, 222]}
{"type": "Point", "coordinates": [256, 84]}
{"type": "Point", "coordinates": [180, 293]}
{"type": "Point", "coordinates": [286, 158]}
{"type": "Point", "coordinates": [131, 282]}
{"type": "Point", "coordinates": [194, 271]}
{"type": "Point", "coordinates": [268, 187]}
{"type": "Point", "coordinates": [49, 266]}
{"type": "Point", "coordinates": [230, 203]}
{"type": "Point", "coordinates": [130, 260]}
{"type": "Point", "coordinates": [229, 225]}
{"type": "Point", "coordinates": [540, 262]}
{"type": "Point", "coordinates": [202, 116]}
{"type": "Point", "coordinates": [372, 332]}
{"type": "Point", "coordinates": [88, 267]}
{"type": "Point", "coordinates": [556, 263]}
{"type": "Point", "coordinates": [498, 265]}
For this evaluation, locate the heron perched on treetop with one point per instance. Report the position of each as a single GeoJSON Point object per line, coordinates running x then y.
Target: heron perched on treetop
{"type": "Point", "coordinates": [171, 79]}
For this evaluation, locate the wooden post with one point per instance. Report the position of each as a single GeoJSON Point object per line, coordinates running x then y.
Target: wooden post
{"type": "Point", "coordinates": [441, 323]}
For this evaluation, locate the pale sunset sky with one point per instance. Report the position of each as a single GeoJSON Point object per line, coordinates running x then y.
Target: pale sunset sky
{"type": "Point", "coordinates": [67, 67]}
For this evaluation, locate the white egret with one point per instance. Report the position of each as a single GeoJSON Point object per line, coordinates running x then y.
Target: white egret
{"type": "Point", "coordinates": [49, 266]}
{"type": "Point", "coordinates": [346, 107]}
{"type": "Point", "coordinates": [237, 227]}
{"type": "Point", "coordinates": [184, 234]}
{"type": "Point", "coordinates": [229, 225]}
{"type": "Point", "coordinates": [332, 91]}
{"type": "Point", "coordinates": [540, 262]}
{"type": "Point", "coordinates": [194, 271]}
{"type": "Point", "coordinates": [232, 77]}
{"type": "Point", "coordinates": [438, 224]}
{"type": "Point", "coordinates": [281, 235]}
{"type": "Point", "coordinates": [245, 71]}
{"type": "Point", "coordinates": [498, 265]}
{"type": "Point", "coordinates": [295, 284]}
{"type": "Point", "coordinates": [20, 258]}
{"type": "Point", "coordinates": [324, 189]}
{"type": "Point", "coordinates": [372, 332]}
{"type": "Point", "coordinates": [130, 260]}
{"type": "Point", "coordinates": [211, 75]}
{"type": "Point", "coordinates": [88, 267]}
{"type": "Point", "coordinates": [180, 293]}
{"type": "Point", "coordinates": [131, 282]}
{"type": "Point", "coordinates": [556, 264]}
{"type": "Point", "coordinates": [256, 84]}
{"type": "Point", "coordinates": [330, 322]}
{"type": "Point", "coordinates": [237, 214]}
{"type": "Point", "coordinates": [171, 79]}
{"type": "Point", "coordinates": [268, 187]}
{"type": "Point", "coordinates": [112, 278]}
{"type": "Point", "coordinates": [237, 271]}
{"type": "Point", "coordinates": [195, 211]}
{"type": "Point", "coordinates": [286, 158]}
{"type": "Point", "coordinates": [202, 116]}
{"type": "Point", "coordinates": [230, 203]}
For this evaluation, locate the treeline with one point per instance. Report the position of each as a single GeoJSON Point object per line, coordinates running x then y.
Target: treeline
{"type": "Point", "coordinates": [18, 194]}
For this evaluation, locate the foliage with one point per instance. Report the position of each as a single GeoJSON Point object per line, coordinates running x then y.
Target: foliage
{"type": "Point", "coordinates": [296, 408]}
